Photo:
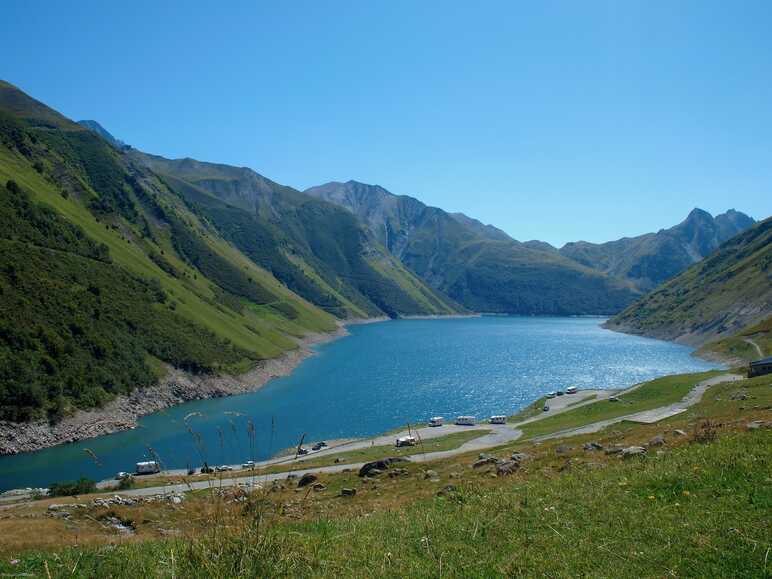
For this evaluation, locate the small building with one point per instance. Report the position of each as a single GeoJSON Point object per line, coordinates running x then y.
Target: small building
{"type": "Point", "coordinates": [760, 367]}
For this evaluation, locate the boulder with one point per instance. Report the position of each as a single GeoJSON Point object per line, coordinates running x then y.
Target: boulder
{"type": "Point", "coordinates": [520, 456]}
{"type": "Point", "coordinates": [562, 449]}
{"type": "Point", "coordinates": [484, 462]}
{"type": "Point", "coordinates": [658, 440]}
{"type": "Point", "coordinates": [344, 492]}
{"type": "Point", "coordinates": [319, 487]}
{"type": "Point", "coordinates": [679, 432]}
{"type": "Point", "coordinates": [507, 467]}
{"type": "Point", "coordinates": [307, 479]}
{"type": "Point", "coordinates": [431, 474]}
{"type": "Point", "coordinates": [613, 450]}
{"type": "Point", "coordinates": [592, 446]}
{"type": "Point", "coordinates": [632, 451]}
{"type": "Point", "coordinates": [446, 490]}
{"type": "Point", "coordinates": [380, 465]}
{"type": "Point", "coordinates": [757, 424]}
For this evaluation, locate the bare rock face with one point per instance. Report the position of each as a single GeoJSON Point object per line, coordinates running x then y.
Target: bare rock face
{"type": "Point", "coordinates": [507, 467]}
{"type": "Point", "coordinates": [376, 467]}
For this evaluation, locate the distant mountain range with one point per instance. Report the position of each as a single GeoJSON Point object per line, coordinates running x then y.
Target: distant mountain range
{"type": "Point", "coordinates": [484, 269]}
{"type": "Point", "coordinates": [650, 259]}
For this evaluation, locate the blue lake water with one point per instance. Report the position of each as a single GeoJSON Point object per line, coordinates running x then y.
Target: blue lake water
{"type": "Point", "coordinates": [382, 376]}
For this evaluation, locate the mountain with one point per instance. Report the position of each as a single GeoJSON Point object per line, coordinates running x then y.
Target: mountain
{"type": "Point", "coordinates": [653, 258]}
{"type": "Point", "coordinates": [477, 265]}
{"type": "Point", "coordinates": [102, 132]}
{"type": "Point", "coordinates": [108, 278]}
{"type": "Point", "coordinates": [718, 297]}
{"type": "Point", "coordinates": [317, 249]}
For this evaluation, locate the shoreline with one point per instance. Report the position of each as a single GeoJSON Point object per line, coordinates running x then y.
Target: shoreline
{"type": "Point", "coordinates": [176, 387]}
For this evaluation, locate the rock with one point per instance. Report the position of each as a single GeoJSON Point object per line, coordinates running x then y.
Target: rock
{"type": "Point", "coordinates": [455, 475]}
{"type": "Point", "coordinates": [484, 462]}
{"type": "Point", "coordinates": [380, 465]}
{"type": "Point", "coordinates": [318, 487]}
{"type": "Point", "coordinates": [176, 500]}
{"type": "Point", "coordinates": [507, 467]}
{"type": "Point", "coordinates": [520, 456]}
{"type": "Point", "coordinates": [397, 472]}
{"type": "Point", "coordinates": [307, 479]}
{"type": "Point", "coordinates": [658, 440]}
{"type": "Point", "coordinates": [679, 432]}
{"type": "Point", "coordinates": [613, 450]}
{"type": "Point", "coordinates": [446, 490]}
{"type": "Point", "coordinates": [592, 446]}
{"type": "Point", "coordinates": [740, 395]}
{"type": "Point", "coordinates": [337, 460]}
{"type": "Point", "coordinates": [632, 451]}
{"type": "Point", "coordinates": [757, 424]}
{"type": "Point", "coordinates": [344, 492]}
{"type": "Point", "coordinates": [431, 474]}
{"type": "Point", "coordinates": [374, 472]}
{"type": "Point", "coordinates": [562, 449]}
{"type": "Point", "coordinates": [483, 456]}
{"type": "Point", "coordinates": [291, 476]}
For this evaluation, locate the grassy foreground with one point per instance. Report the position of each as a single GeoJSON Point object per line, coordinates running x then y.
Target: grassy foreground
{"type": "Point", "coordinates": [697, 506]}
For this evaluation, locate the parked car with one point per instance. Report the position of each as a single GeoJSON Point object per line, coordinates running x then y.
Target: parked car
{"type": "Point", "coordinates": [319, 445]}
{"type": "Point", "coordinates": [122, 475]}
{"type": "Point", "coordinates": [546, 408]}
{"type": "Point", "coordinates": [405, 441]}
{"type": "Point", "coordinates": [248, 464]}
{"type": "Point", "coordinates": [560, 393]}
{"type": "Point", "coordinates": [223, 468]}
{"type": "Point", "coordinates": [302, 450]}
{"type": "Point", "coordinates": [552, 394]}
{"type": "Point", "coordinates": [206, 469]}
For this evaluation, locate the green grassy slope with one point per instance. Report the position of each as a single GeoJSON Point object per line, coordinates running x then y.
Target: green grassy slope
{"type": "Point", "coordinates": [477, 265]}
{"type": "Point", "coordinates": [750, 343]}
{"type": "Point", "coordinates": [73, 190]}
{"type": "Point", "coordinates": [317, 249]}
{"type": "Point", "coordinates": [716, 298]}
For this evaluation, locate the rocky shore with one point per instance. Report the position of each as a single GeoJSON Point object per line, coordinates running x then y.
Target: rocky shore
{"type": "Point", "coordinates": [175, 388]}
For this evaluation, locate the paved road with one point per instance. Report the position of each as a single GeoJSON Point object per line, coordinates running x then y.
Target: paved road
{"type": "Point", "coordinates": [650, 416]}
{"type": "Point", "coordinates": [497, 435]}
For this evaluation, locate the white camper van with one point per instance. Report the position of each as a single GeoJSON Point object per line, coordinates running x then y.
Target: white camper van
{"type": "Point", "coordinates": [436, 421]}
{"type": "Point", "coordinates": [405, 441]}
{"type": "Point", "coordinates": [498, 419]}
{"type": "Point", "coordinates": [466, 420]}
{"type": "Point", "coordinates": [148, 467]}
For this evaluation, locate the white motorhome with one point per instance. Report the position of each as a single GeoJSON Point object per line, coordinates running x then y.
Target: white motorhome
{"type": "Point", "coordinates": [405, 441]}
{"type": "Point", "coordinates": [498, 419]}
{"type": "Point", "coordinates": [436, 421]}
{"type": "Point", "coordinates": [466, 420]}
{"type": "Point", "coordinates": [148, 467]}
{"type": "Point", "coordinates": [571, 390]}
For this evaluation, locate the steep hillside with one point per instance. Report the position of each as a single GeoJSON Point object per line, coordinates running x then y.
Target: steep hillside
{"type": "Point", "coordinates": [648, 260]}
{"type": "Point", "coordinates": [317, 249]}
{"type": "Point", "coordinates": [108, 276]}
{"type": "Point", "coordinates": [715, 298]}
{"type": "Point", "coordinates": [477, 265]}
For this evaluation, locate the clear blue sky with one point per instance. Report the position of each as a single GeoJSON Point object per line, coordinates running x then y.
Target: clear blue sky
{"type": "Point", "coordinates": [552, 120]}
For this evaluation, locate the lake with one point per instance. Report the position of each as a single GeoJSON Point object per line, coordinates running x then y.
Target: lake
{"type": "Point", "coordinates": [382, 376]}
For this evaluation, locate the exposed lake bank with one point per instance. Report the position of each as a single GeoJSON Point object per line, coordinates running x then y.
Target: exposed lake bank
{"type": "Point", "coordinates": [176, 387]}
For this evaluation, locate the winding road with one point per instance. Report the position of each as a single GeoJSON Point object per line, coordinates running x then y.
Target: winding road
{"type": "Point", "coordinates": [498, 434]}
